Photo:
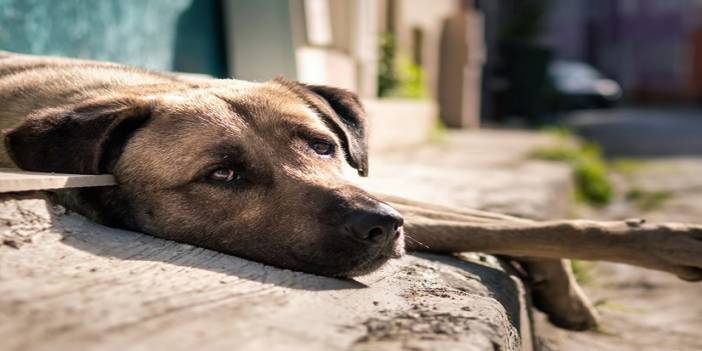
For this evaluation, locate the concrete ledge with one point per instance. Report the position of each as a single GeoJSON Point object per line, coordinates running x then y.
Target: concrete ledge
{"type": "Point", "coordinates": [67, 283]}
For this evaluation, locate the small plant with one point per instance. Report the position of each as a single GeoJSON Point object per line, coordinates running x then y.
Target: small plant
{"type": "Point", "coordinates": [398, 76]}
{"type": "Point", "coordinates": [410, 80]}
{"type": "Point", "coordinates": [590, 171]}
{"type": "Point", "coordinates": [591, 176]}
{"type": "Point", "coordinates": [582, 270]}
{"type": "Point", "coordinates": [438, 132]}
{"type": "Point", "coordinates": [387, 77]}
{"type": "Point", "coordinates": [626, 167]}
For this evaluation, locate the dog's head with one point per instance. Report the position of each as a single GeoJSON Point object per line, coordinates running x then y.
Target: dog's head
{"type": "Point", "coordinates": [250, 169]}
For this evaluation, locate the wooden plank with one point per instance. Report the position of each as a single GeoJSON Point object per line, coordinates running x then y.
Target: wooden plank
{"type": "Point", "coordinates": [15, 180]}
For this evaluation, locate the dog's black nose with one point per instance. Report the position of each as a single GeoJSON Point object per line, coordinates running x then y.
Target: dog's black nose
{"type": "Point", "coordinates": [374, 225]}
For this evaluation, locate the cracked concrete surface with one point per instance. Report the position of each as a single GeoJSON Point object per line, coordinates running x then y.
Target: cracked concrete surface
{"type": "Point", "coordinates": [72, 284]}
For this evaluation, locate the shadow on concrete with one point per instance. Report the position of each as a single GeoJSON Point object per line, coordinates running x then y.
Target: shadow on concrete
{"type": "Point", "coordinates": [85, 235]}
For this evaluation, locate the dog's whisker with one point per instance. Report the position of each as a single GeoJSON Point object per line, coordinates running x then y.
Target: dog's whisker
{"type": "Point", "coordinates": [416, 241]}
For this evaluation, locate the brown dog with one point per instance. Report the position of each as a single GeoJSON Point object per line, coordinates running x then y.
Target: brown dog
{"type": "Point", "coordinates": [253, 169]}
{"type": "Point", "coordinates": [243, 168]}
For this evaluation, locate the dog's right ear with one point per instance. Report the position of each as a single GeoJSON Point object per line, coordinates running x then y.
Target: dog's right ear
{"type": "Point", "coordinates": [86, 138]}
{"type": "Point", "coordinates": [342, 111]}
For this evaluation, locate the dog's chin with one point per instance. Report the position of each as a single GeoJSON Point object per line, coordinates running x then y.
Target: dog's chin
{"type": "Point", "coordinates": [365, 268]}
{"type": "Point", "coordinates": [396, 250]}
{"type": "Point", "coordinates": [361, 266]}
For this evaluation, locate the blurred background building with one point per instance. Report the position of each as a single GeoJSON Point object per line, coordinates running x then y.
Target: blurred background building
{"type": "Point", "coordinates": [389, 49]}
{"type": "Point", "coordinates": [469, 62]}
{"type": "Point", "coordinates": [651, 47]}
{"type": "Point", "coordinates": [624, 75]}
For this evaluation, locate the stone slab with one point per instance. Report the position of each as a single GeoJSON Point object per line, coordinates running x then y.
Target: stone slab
{"type": "Point", "coordinates": [67, 284]}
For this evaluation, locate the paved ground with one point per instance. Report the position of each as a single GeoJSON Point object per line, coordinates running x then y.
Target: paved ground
{"type": "Point", "coordinates": [66, 283]}
{"type": "Point", "coordinates": [639, 132]}
{"type": "Point", "coordinates": [642, 309]}
{"type": "Point", "coordinates": [488, 169]}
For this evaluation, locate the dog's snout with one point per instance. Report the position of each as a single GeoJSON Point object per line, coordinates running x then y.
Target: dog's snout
{"type": "Point", "coordinates": [374, 225]}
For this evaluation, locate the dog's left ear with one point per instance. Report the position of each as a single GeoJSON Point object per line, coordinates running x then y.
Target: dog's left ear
{"type": "Point", "coordinates": [343, 113]}
{"type": "Point", "coordinates": [86, 138]}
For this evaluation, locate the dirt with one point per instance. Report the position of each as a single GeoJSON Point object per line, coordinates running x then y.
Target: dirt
{"type": "Point", "coordinates": [436, 320]}
{"type": "Point", "coordinates": [642, 309]}
{"type": "Point", "coordinates": [419, 323]}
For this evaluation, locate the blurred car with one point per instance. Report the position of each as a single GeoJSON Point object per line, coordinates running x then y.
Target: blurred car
{"type": "Point", "coordinates": [580, 86]}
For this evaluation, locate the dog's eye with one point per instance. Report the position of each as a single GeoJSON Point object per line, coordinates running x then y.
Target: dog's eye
{"type": "Point", "coordinates": [225, 175]}
{"type": "Point", "coordinates": [322, 147]}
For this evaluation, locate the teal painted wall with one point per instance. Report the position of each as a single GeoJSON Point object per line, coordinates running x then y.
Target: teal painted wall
{"type": "Point", "coordinates": [183, 35]}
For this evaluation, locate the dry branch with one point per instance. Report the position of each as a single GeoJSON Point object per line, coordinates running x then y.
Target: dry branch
{"type": "Point", "coordinates": [670, 247]}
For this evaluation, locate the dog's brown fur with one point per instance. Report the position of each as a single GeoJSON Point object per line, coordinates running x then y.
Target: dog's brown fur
{"type": "Point", "coordinates": [161, 136]}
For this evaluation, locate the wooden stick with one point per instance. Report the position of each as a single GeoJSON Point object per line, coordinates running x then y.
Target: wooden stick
{"type": "Point", "coordinates": [15, 180]}
{"type": "Point", "coordinates": [671, 247]}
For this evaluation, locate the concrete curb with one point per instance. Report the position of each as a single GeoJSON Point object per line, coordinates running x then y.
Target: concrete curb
{"type": "Point", "coordinates": [68, 283]}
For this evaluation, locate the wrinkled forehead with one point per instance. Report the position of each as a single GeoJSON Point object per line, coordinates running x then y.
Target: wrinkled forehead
{"type": "Point", "coordinates": [194, 129]}
{"type": "Point", "coordinates": [262, 107]}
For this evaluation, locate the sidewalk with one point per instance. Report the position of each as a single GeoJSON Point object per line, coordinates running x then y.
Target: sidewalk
{"type": "Point", "coordinates": [66, 283]}
{"type": "Point", "coordinates": [642, 310]}
{"type": "Point", "coordinates": [487, 169]}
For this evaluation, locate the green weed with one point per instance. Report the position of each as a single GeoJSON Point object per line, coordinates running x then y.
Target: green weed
{"type": "Point", "coordinates": [648, 200]}
{"type": "Point", "coordinates": [626, 166]}
{"type": "Point", "coordinates": [590, 170]}
{"type": "Point", "coordinates": [438, 132]}
{"type": "Point", "coordinates": [582, 270]}
{"type": "Point", "coordinates": [398, 76]}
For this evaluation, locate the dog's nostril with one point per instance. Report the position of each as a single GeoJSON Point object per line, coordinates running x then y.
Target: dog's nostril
{"type": "Point", "coordinates": [374, 225]}
{"type": "Point", "coordinates": [375, 233]}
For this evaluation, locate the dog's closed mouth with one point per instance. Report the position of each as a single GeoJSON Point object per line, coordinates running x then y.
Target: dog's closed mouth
{"type": "Point", "coordinates": [393, 250]}
{"type": "Point", "coordinates": [398, 245]}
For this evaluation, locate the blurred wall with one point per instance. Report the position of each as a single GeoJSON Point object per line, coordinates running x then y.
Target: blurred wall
{"type": "Point", "coordinates": [337, 43]}
{"type": "Point", "coordinates": [260, 39]}
{"type": "Point", "coordinates": [156, 34]}
{"type": "Point", "coordinates": [647, 45]}
{"type": "Point", "coordinates": [566, 28]}
{"type": "Point", "coordinates": [200, 39]}
{"type": "Point", "coordinates": [427, 17]}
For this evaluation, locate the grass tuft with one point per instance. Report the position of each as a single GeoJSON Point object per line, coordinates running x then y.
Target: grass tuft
{"type": "Point", "coordinates": [582, 270]}
{"type": "Point", "coordinates": [648, 200]}
{"type": "Point", "coordinates": [626, 166]}
{"type": "Point", "coordinates": [438, 133]}
{"type": "Point", "coordinates": [590, 170]}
